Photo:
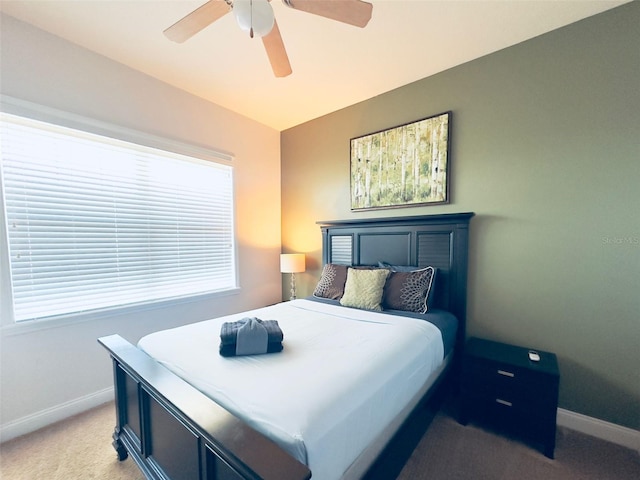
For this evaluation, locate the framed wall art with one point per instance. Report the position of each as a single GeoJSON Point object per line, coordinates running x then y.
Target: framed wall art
{"type": "Point", "coordinates": [404, 166]}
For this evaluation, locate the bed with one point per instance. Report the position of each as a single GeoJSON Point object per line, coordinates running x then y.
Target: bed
{"type": "Point", "coordinates": [333, 402]}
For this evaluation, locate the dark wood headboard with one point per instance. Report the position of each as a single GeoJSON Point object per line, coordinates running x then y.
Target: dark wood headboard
{"type": "Point", "coordinates": [441, 241]}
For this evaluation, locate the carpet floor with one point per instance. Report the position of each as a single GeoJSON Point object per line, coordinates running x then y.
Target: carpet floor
{"type": "Point", "coordinates": [450, 451]}
{"type": "Point", "coordinates": [80, 448]}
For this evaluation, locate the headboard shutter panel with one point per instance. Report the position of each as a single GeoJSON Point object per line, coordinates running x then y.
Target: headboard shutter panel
{"type": "Point", "coordinates": [341, 249]}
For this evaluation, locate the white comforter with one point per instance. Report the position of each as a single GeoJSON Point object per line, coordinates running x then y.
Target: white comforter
{"type": "Point", "coordinates": [342, 376]}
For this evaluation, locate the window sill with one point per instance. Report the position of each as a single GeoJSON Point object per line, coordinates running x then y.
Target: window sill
{"type": "Point", "coordinates": [30, 326]}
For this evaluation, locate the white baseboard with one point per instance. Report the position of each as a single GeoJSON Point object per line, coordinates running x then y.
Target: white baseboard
{"type": "Point", "coordinates": [626, 437]}
{"type": "Point", "coordinates": [31, 423]}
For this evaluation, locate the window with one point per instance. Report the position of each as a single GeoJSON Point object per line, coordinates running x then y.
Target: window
{"type": "Point", "coordinates": [95, 223]}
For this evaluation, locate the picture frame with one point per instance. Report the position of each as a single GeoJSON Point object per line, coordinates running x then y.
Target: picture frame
{"type": "Point", "coordinates": [403, 166]}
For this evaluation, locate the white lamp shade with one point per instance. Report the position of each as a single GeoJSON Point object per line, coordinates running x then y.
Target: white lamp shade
{"type": "Point", "coordinates": [292, 262]}
{"type": "Point", "coordinates": [256, 14]}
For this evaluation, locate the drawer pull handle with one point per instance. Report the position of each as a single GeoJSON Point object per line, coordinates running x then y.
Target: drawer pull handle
{"type": "Point", "coordinates": [504, 402]}
{"type": "Point", "coordinates": [506, 374]}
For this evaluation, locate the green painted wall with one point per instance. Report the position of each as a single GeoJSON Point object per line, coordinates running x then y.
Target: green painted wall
{"type": "Point", "coordinates": [546, 151]}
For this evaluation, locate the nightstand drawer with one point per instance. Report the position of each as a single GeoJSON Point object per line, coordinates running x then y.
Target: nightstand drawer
{"type": "Point", "coordinates": [492, 379]}
{"type": "Point", "coordinates": [539, 425]}
{"type": "Point", "coordinates": [508, 403]}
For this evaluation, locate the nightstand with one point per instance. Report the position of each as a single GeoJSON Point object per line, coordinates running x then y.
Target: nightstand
{"type": "Point", "coordinates": [500, 384]}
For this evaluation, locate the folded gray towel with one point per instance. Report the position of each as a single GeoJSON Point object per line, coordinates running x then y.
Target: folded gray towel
{"type": "Point", "coordinates": [229, 330]}
{"type": "Point", "coordinates": [230, 350]}
{"type": "Point", "coordinates": [250, 336]}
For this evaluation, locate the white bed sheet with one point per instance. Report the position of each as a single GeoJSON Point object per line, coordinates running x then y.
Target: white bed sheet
{"type": "Point", "coordinates": [343, 375]}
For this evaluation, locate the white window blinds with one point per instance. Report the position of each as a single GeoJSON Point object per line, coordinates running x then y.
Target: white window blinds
{"type": "Point", "coordinates": [94, 222]}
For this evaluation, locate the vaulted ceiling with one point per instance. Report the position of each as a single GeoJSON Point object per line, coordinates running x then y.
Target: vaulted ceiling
{"type": "Point", "coordinates": [334, 65]}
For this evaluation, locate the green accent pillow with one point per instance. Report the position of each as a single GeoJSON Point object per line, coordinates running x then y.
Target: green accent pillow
{"type": "Point", "coordinates": [364, 288]}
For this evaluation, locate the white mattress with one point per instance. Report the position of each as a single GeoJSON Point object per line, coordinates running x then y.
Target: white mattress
{"type": "Point", "coordinates": [344, 374]}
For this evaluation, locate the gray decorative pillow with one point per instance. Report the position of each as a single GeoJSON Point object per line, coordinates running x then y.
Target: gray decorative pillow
{"type": "Point", "coordinates": [364, 288]}
{"type": "Point", "coordinates": [332, 280]}
{"type": "Point", "coordinates": [408, 291]}
{"type": "Point", "coordinates": [398, 268]}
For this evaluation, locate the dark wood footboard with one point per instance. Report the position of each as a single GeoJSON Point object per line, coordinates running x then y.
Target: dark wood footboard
{"type": "Point", "coordinates": [172, 431]}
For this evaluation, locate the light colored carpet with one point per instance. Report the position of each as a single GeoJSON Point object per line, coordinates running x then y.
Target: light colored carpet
{"type": "Point", "coordinates": [450, 451]}
{"type": "Point", "coordinates": [80, 448]}
{"type": "Point", "coordinates": [75, 449]}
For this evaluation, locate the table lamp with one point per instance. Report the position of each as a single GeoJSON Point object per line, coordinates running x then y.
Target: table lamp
{"type": "Point", "coordinates": [292, 263]}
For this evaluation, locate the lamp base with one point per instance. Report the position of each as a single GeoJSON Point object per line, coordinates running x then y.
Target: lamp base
{"type": "Point", "coordinates": [293, 287]}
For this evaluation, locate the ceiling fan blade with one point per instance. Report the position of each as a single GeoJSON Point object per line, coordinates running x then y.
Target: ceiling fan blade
{"type": "Point", "coordinates": [276, 52]}
{"type": "Point", "coordinates": [200, 18]}
{"type": "Point", "coordinates": [353, 12]}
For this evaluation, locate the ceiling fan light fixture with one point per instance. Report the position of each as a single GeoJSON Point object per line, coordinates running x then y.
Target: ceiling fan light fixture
{"type": "Point", "coordinates": [257, 17]}
{"type": "Point", "coordinates": [254, 16]}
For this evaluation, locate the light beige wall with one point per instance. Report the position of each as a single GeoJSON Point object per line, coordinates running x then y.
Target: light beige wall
{"type": "Point", "coordinates": [46, 372]}
{"type": "Point", "coordinates": [545, 150]}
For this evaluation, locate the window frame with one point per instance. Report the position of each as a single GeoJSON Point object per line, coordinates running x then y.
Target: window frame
{"type": "Point", "coordinates": [37, 112]}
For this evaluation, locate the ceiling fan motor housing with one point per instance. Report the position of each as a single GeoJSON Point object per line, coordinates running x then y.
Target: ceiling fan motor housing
{"type": "Point", "coordinates": [254, 16]}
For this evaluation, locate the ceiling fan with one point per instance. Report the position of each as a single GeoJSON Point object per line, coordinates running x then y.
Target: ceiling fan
{"type": "Point", "coordinates": [256, 16]}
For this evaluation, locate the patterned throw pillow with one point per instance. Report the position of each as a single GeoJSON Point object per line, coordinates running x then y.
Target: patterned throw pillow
{"type": "Point", "coordinates": [332, 280]}
{"type": "Point", "coordinates": [408, 291]}
{"type": "Point", "coordinates": [364, 288]}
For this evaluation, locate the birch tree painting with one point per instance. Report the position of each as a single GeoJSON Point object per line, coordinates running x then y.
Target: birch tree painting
{"type": "Point", "coordinates": [402, 166]}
